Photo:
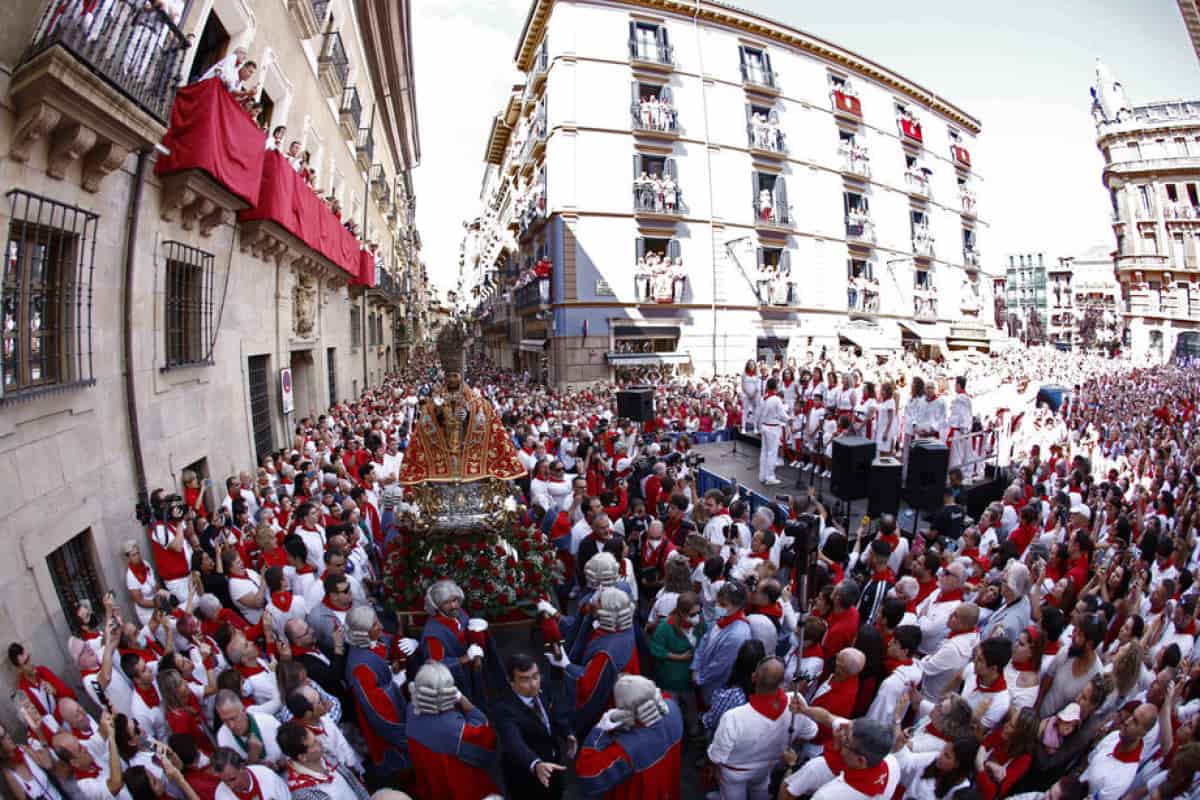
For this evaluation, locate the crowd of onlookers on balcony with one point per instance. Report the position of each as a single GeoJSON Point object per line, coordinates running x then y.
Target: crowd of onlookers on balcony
{"type": "Point", "coordinates": [774, 285]}
{"type": "Point", "coordinates": [656, 114]}
{"type": "Point", "coordinates": [922, 238]}
{"type": "Point", "coordinates": [862, 292]}
{"type": "Point", "coordinates": [658, 278]}
{"type": "Point", "coordinates": [765, 133]}
{"type": "Point", "coordinates": [657, 192]}
{"type": "Point", "coordinates": [856, 157]}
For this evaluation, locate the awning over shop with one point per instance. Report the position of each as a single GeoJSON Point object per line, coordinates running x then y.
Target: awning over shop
{"type": "Point", "coordinates": [532, 345]}
{"type": "Point", "coordinates": [646, 331]}
{"type": "Point", "coordinates": [932, 334]}
{"type": "Point", "coordinates": [646, 359]}
{"type": "Point", "coordinates": [871, 337]}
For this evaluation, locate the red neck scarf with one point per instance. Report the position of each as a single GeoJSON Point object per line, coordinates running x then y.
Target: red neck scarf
{"type": "Point", "coordinates": [958, 633]}
{"type": "Point", "coordinates": [812, 650]}
{"type": "Point", "coordinates": [1023, 666]}
{"type": "Point", "coordinates": [309, 777]}
{"type": "Point", "coordinates": [149, 695]}
{"type": "Point", "coordinates": [729, 619]}
{"type": "Point", "coordinates": [1189, 629]}
{"type": "Point", "coordinates": [253, 792]}
{"type": "Point", "coordinates": [998, 686]}
{"type": "Point", "coordinates": [282, 600]}
{"type": "Point", "coordinates": [770, 706]}
{"type": "Point", "coordinates": [948, 597]}
{"type": "Point", "coordinates": [774, 610]}
{"type": "Point", "coordinates": [251, 671]}
{"type": "Point", "coordinates": [139, 570]}
{"type": "Point", "coordinates": [933, 730]}
{"type": "Point", "coordinates": [1052, 648]}
{"type": "Point", "coordinates": [325, 602]}
{"type": "Point", "coordinates": [1130, 756]}
{"type": "Point", "coordinates": [307, 569]}
{"type": "Point", "coordinates": [87, 772]}
{"type": "Point", "coordinates": [886, 575]}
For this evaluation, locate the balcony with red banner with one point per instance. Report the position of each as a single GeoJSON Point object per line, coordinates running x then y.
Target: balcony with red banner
{"type": "Point", "coordinates": [962, 157]}
{"type": "Point", "coordinates": [910, 129]}
{"type": "Point", "coordinates": [290, 221]}
{"type": "Point", "coordinates": [214, 164]}
{"type": "Point", "coordinates": [846, 104]}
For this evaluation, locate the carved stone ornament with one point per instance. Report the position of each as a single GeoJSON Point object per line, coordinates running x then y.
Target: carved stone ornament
{"type": "Point", "coordinates": [304, 306]}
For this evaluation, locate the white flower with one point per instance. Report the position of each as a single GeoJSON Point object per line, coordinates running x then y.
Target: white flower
{"type": "Point", "coordinates": [510, 504]}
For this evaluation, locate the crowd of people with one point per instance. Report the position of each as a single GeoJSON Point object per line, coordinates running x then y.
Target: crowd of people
{"type": "Point", "coordinates": [657, 192]}
{"type": "Point", "coordinates": [1047, 648]}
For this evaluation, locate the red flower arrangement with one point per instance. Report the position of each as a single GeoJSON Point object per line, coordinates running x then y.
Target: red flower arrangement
{"type": "Point", "coordinates": [499, 575]}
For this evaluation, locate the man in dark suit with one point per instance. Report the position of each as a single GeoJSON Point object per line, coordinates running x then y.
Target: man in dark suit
{"type": "Point", "coordinates": [530, 728]}
{"type": "Point", "coordinates": [327, 670]}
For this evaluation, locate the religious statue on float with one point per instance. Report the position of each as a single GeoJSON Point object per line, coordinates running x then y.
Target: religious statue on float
{"type": "Point", "coordinates": [460, 519]}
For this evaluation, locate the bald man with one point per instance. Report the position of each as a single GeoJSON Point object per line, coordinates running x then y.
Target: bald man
{"type": "Point", "coordinates": [95, 779]}
{"type": "Point", "coordinates": [78, 722]}
{"type": "Point", "coordinates": [1114, 762]}
{"type": "Point", "coordinates": [751, 738]}
{"type": "Point", "coordinates": [940, 667]}
{"type": "Point", "coordinates": [933, 614]}
{"type": "Point", "coordinates": [837, 695]}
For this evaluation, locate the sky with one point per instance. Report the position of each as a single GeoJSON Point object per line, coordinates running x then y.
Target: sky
{"type": "Point", "coordinates": [1022, 67]}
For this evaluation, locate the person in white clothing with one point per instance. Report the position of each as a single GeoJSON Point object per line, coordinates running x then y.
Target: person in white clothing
{"type": "Point", "coordinates": [750, 739]}
{"type": "Point", "coordinates": [1114, 762]}
{"type": "Point", "coordinates": [906, 673]}
{"type": "Point", "coordinates": [959, 426]}
{"type": "Point", "coordinates": [941, 666]}
{"type": "Point", "coordinates": [933, 613]}
{"type": "Point", "coordinates": [313, 534]}
{"type": "Point", "coordinates": [751, 396]}
{"type": "Point", "coordinates": [772, 419]}
{"type": "Point", "coordinates": [94, 780]}
{"type": "Point", "coordinates": [145, 704]}
{"type": "Point", "coordinates": [257, 674]}
{"type": "Point", "coordinates": [246, 587]}
{"type": "Point", "coordinates": [984, 686]}
{"type": "Point", "coordinates": [887, 421]}
{"type": "Point", "coordinates": [250, 734]}
{"type": "Point", "coordinates": [308, 707]}
{"type": "Point", "coordinates": [868, 768]}
{"type": "Point", "coordinates": [240, 780]}
{"type": "Point", "coordinates": [140, 581]}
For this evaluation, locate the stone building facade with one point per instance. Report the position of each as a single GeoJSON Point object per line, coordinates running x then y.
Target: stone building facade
{"type": "Point", "coordinates": [1152, 172]}
{"type": "Point", "coordinates": [862, 226]}
{"type": "Point", "coordinates": [146, 327]}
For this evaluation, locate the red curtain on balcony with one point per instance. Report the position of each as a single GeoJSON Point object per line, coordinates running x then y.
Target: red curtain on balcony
{"type": "Point", "coordinates": [210, 131]}
{"type": "Point", "coordinates": [366, 268]}
{"type": "Point", "coordinates": [287, 200]}
{"type": "Point", "coordinates": [911, 129]}
{"type": "Point", "coordinates": [848, 103]}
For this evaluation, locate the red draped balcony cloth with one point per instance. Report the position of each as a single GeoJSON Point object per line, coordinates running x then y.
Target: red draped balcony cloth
{"type": "Point", "coordinates": [366, 269]}
{"type": "Point", "coordinates": [211, 132]}
{"type": "Point", "coordinates": [287, 200]}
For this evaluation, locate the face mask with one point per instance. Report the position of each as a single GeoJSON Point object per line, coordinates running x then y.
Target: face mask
{"type": "Point", "coordinates": [722, 612]}
{"type": "Point", "coordinates": [694, 620]}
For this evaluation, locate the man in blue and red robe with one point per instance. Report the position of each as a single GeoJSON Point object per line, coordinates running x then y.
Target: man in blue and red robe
{"type": "Point", "coordinates": [611, 651]}
{"type": "Point", "coordinates": [634, 750]}
{"type": "Point", "coordinates": [451, 742]}
{"type": "Point", "coordinates": [379, 702]}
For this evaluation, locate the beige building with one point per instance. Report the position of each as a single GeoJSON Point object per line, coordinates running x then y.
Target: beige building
{"type": "Point", "coordinates": [615, 231]}
{"type": "Point", "coordinates": [145, 326]}
{"type": "Point", "coordinates": [1152, 171]}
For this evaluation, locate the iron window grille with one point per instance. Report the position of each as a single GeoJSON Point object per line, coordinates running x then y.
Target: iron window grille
{"type": "Point", "coordinates": [320, 9]}
{"type": "Point", "coordinates": [352, 105]}
{"type": "Point", "coordinates": [355, 326]}
{"type": "Point", "coordinates": [75, 576]}
{"type": "Point", "coordinates": [46, 292]}
{"type": "Point", "coordinates": [331, 369]}
{"type": "Point", "coordinates": [189, 306]}
{"type": "Point", "coordinates": [134, 47]}
{"type": "Point", "coordinates": [333, 52]}
{"type": "Point", "coordinates": [366, 142]}
{"type": "Point", "coordinates": [260, 406]}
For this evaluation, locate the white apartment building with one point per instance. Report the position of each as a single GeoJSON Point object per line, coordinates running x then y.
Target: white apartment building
{"type": "Point", "coordinates": [688, 185]}
{"type": "Point", "coordinates": [1152, 171]}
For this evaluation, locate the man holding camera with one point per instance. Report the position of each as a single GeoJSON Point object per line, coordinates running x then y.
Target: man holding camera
{"type": "Point", "coordinates": [171, 549]}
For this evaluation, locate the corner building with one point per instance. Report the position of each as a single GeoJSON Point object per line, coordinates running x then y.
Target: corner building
{"type": "Point", "coordinates": [1152, 173]}
{"type": "Point", "coordinates": [148, 317]}
{"type": "Point", "coordinates": [799, 195]}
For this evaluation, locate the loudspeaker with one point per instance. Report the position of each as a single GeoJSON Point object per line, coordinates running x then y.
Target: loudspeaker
{"type": "Point", "coordinates": [852, 457]}
{"type": "Point", "coordinates": [883, 495]}
{"type": "Point", "coordinates": [636, 404]}
{"type": "Point", "coordinates": [979, 496]}
{"type": "Point", "coordinates": [928, 462]}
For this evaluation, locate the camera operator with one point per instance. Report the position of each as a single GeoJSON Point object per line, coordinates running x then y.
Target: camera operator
{"type": "Point", "coordinates": [168, 543]}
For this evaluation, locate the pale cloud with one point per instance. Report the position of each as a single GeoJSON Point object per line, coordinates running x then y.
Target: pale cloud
{"type": "Point", "coordinates": [462, 52]}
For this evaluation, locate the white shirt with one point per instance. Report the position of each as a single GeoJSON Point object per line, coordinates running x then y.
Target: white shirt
{"type": "Point", "coordinates": [747, 740]}
{"type": "Point", "coordinates": [1108, 778]}
{"type": "Point", "coordinates": [239, 588]}
{"type": "Point", "coordinates": [772, 412]}
{"type": "Point", "coordinates": [934, 620]}
{"type": "Point", "coordinates": [314, 541]}
{"type": "Point", "coordinates": [998, 702]}
{"type": "Point", "coordinates": [268, 726]}
{"type": "Point", "coordinates": [335, 744]}
{"type": "Point", "coordinates": [960, 412]}
{"type": "Point", "coordinates": [941, 666]}
{"type": "Point", "coordinates": [264, 689]}
{"type": "Point", "coordinates": [894, 686]}
{"type": "Point", "coordinates": [297, 610]}
{"type": "Point", "coordinates": [150, 719]}
{"type": "Point", "coordinates": [147, 589]}
{"type": "Point", "coordinates": [270, 785]}
{"type": "Point", "coordinates": [816, 779]}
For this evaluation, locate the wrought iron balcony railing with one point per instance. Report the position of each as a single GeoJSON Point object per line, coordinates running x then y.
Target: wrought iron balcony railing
{"type": "Point", "coordinates": [333, 52]}
{"type": "Point", "coordinates": [651, 53]}
{"type": "Point", "coordinates": [351, 108]}
{"type": "Point", "coordinates": [133, 47]}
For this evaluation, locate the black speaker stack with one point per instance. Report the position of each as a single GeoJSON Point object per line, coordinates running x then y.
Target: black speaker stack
{"type": "Point", "coordinates": [636, 403]}
{"type": "Point", "coordinates": [928, 463]}
{"type": "Point", "coordinates": [883, 496]}
{"type": "Point", "coordinates": [852, 457]}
